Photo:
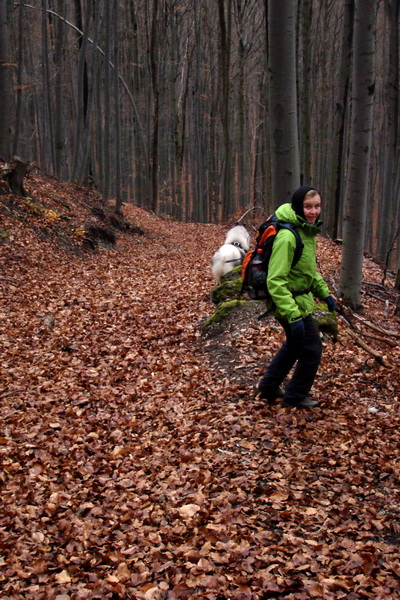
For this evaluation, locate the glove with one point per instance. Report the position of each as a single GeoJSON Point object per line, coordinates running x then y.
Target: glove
{"type": "Point", "coordinates": [331, 303]}
{"type": "Point", "coordinates": [297, 330]}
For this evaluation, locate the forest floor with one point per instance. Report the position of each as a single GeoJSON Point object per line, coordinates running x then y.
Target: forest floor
{"type": "Point", "coordinates": [137, 460]}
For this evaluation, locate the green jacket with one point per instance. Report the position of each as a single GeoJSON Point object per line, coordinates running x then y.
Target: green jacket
{"type": "Point", "coordinates": [282, 279]}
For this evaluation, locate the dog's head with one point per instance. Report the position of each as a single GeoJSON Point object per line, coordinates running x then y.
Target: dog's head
{"type": "Point", "coordinates": [240, 235]}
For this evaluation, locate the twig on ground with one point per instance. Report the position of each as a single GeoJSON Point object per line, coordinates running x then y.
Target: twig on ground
{"type": "Point", "coordinates": [378, 338]}
{"type": "Point", "coordinates": [380, 359]}
{"type": "Point", "coordinates": [376, 328]}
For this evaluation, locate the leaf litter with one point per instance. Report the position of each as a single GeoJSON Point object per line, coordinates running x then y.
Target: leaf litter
{"type": "Point", "coordinates": [137, 460]}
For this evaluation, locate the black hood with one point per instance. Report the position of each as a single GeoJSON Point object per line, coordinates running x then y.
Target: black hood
{"type": "Point", "coordinates": [298, 199]}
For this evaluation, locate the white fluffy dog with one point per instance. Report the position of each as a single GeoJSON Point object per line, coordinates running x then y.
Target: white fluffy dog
{"type": "Point", "coordinates": [232, 253]}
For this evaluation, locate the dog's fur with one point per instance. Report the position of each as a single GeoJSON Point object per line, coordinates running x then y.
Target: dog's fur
{"type": "Point", "coordinates": [231, 253]}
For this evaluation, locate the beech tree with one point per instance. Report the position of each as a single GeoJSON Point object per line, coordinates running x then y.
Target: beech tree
{"type": "Point", "coordinates": [224, 63]}
{"type": "Point", "coordinates": [340, 114]}
{"type": "Point", "coordinates": [5, 83]}
{"type": "Point", "coordinates": [356, 194]}
{"type": "Point", "coordinates": [390, 141]}
{"type": "Point", "coordinates": [285, 154]}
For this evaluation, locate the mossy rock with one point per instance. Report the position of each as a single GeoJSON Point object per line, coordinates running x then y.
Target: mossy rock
{"type": "Point", "coordinates": [223, 310]}
{"type": "Point", "coordinates": [229, 288]}
{"type": "Point", "coordinates": [226, 291]}
{"type": "Point", "coordinates": [326, 321]}
{"type": "Point", "coordinates": [236, 273]}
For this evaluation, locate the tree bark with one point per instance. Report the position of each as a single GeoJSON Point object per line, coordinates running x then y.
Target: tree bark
{"type": "Point", "coordinates": [339, 120]}
{"type": "Point", "coordinates": [5, 83]}
{"type": "Point", "coordinates": [156, 107]}
{"type": "Point", "coordinates": [59, 117]}
{"type": "Point", "coordinates": [356, 196]}
{"type": "Point", "coordinates": [305, 35]}
{"type": "Point", "coordinates": [19, 77]}
{"type": "Point", "coordinates": [107, 105]}
{"type": "Point", "coordinates": [224, 62]}
{"type": "Point", "coordinates": [118, 199]}
{"type": "Point", "coordinates": [48, 109]}
{"type": "Point", "coordinates": [285, 155]}
{"type": "Point", "coordinates": [390, 205]}
{"type": "Point", "coordinates": [15, 175]}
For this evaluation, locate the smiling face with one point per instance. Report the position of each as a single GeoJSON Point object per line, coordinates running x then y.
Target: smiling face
{"type": "Point", "coordinates": [312, 207]}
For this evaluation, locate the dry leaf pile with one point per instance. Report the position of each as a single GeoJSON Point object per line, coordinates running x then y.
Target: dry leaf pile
{"type": "Point", "coordinates": [137, 461]}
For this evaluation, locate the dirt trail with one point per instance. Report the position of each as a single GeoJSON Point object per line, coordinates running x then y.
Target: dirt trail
{"type": "Point", "coordinates": [137, 462]}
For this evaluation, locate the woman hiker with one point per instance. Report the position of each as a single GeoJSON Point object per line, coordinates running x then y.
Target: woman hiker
{"type": "Point", "coordinates": [292, 290]}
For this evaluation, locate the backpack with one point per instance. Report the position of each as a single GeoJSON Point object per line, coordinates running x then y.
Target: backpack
{"type": "Point", "coordinates": [255, 263]}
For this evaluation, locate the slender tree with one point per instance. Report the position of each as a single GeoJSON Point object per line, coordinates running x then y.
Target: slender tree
{"type": "Point", "coordinates": [107, 152]}
{"type": "Point", "coordinates": [49, 150]}
{"type": "Point", "coordinates": [224, 21]}
{"type": "Point", "coordinates": [59, 93]}
{"type": "Point", "coordinates": [388, 208]}
{"type": "Point", "coordinates": [5, 83]}
{"type": "Point", "coordinates": [118, 199]}
{"type": "Point", "coordinates": [154, 48]}
{"type": "Point", "coordinates": [20, 67]}
{"type": "Point", "coordinates": [81, 99]}
{"type": "Point", "coordinates": [305, 83]}
{"type": "Point", "coordinates": [89, 90]}
{"type": "Point", "coordinates": [356, 194]}
{"type": "Point", "coordinates": [339, 121]}
{"type": "Point", "coordinates": [285, 155]}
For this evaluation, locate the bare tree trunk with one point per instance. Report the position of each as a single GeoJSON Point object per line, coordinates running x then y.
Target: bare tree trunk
{"type": "Point", "coordinates": [5, 84]}
{"type": "Point", "coordinates": [106, 191]}
{"type": "Point", "coordinates": [15, 175]}
{"type": "Point", "coordinates": [356, 196]}
{"type": "Point", "coordinates": [285, 155]}
{"type": "Point", "coordinates": [339, 119]}
{"type": "Point", "coordinates": [228, 206]}
{"type": "Point", "coordinates": [19, 78]}
{"type": "Point", "coordinates": [91, 88]}
{"type": "Point", "coordinates": [99, 129]}
{"type": "Point", "coordinates": [388, 208]}
{"type": "Point", "coordinates": [48, 110]}
{"type": "Point", "coordinates": [118, 199]}
{"type": "Point", "coordinates": [156, 107]}
{"type": "Point", "coordinates": [80, 130]}
{"type": "Point", "coordinates": [243, 167]}
{"type": "Point", "coordinates": [198, 172]}
{"type": "Point", "coordinates": [59, 118]}
{"type": "Point", "coordinates": [305, 11]}
{"type": "Point", "coordinates": [140, 159]}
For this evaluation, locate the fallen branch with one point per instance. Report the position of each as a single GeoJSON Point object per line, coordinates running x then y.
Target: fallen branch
{"type": "Point", "coordinates": [378, 338]}
{"type": "Point", "coordinates": [249, 210]}
{"type": "Point", "coordinates": [376, 328]}
{"type": "Point", "coordinates": [380, 359]}
{"type": "Point", "coordinates": [372, 295]}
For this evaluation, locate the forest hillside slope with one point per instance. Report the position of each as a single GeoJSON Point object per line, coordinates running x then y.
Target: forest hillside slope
{"type": "Point", "coordinates": [137, 461]}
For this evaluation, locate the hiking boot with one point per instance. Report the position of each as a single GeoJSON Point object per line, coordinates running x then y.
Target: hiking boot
{"type": "Point", "coordinates": [305, 403]}
{"type": "Point", "coordinates": [271, 397]}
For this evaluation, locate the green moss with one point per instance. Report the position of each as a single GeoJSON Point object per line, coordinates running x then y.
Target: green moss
{"type": "Point", "coordinates": [223, 310]}
{"type": "Point", "coordinates": [236, 273]}
{"type": "Point", "coordinates": [227, 290]}
{"type": "Point", "coordinates": [326, 321]}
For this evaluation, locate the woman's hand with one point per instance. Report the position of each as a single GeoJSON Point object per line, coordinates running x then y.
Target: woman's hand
{"type": "Point", "coordinates": [331, 303]}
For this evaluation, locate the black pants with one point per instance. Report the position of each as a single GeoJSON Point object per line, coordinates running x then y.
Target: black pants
{"type": "Point", "coordinates": [307, 356]}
